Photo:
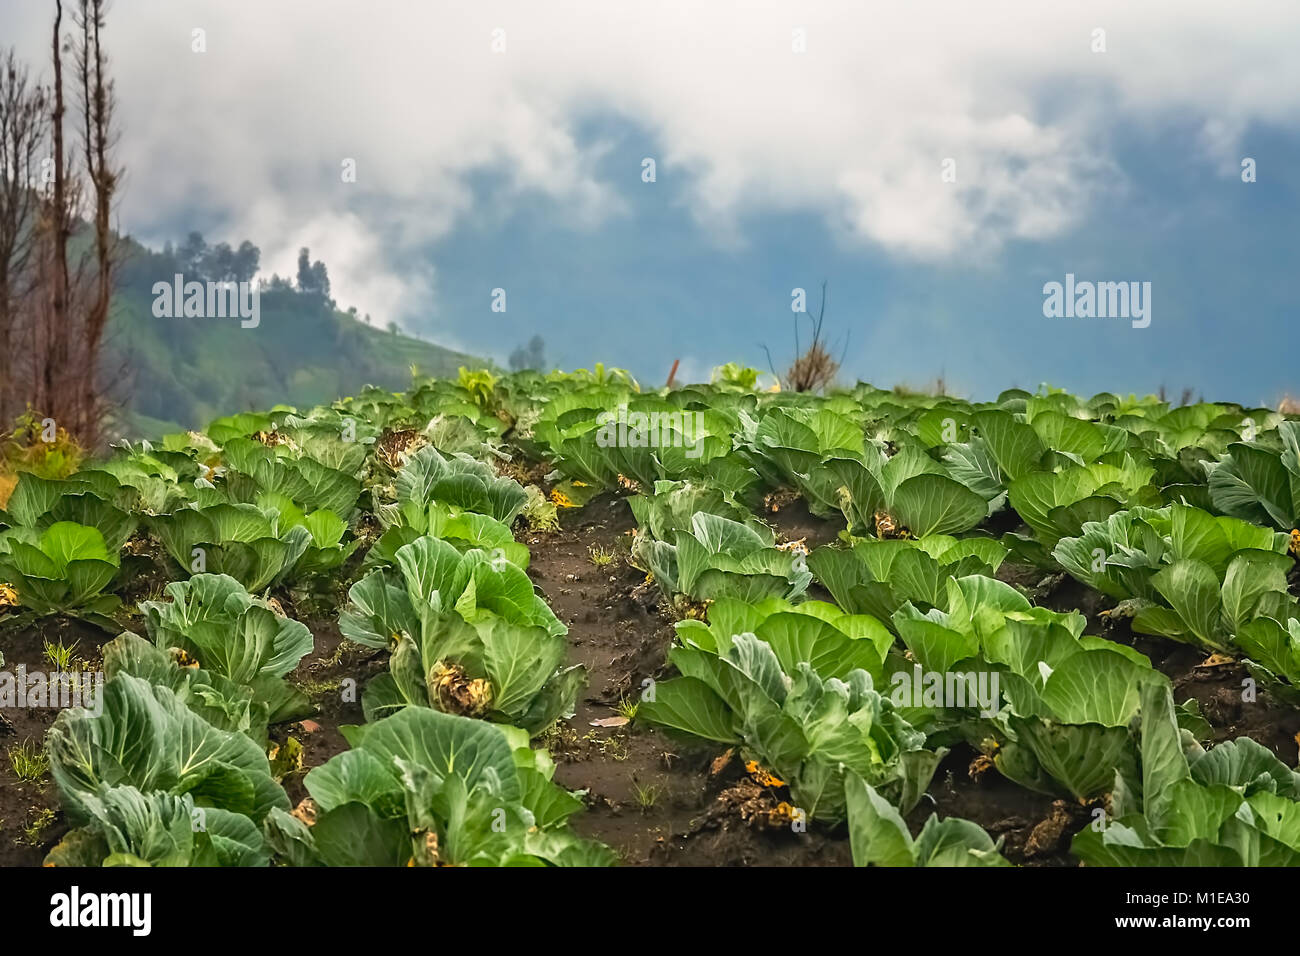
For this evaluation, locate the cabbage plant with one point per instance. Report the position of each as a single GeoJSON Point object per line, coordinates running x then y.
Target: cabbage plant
{"type": "Point", "coordinates": [1067, 697]}
{"type": "Point", "coordinates": [719, 557]}
{"type": "Point", "coordinates": [831, 640]}
{"type": "Point", "coordinates": [143, 735]}
{"type": "Point", "coordinates": [462, 529]}
{"type": "Point", "coordinates": [63, 569]}
{"type": "Point", "coordinates": [129, 828]}
{"type": "Point", "coordinates": [1272, 652]}
{"type": "Point", "coordinates": [809, 728]}
{"type": "Point", "coordinates": [1206, 610]}
{"type": "Point", "coordinates": [878, 836]}
{"type": "Point", "coordinates": [462, 482]}
{"type": "Point", "coordinates": [226, 631]}
{"type": "Point", "coordinates": [1057, 504]}
{"type": "Point", "coordinates": [1259, 481]}
{"type": "Point", "coordinates": [1236, 804]}
{"type": "Point", "coordinates": [1191, 576]}
{"type": "Point", "coordinates": [878, 576]}
{"type": "Point", "coordinates": [1119, 556]}
{"type": "Point", "coordinates": [220, 701]}
{"type": "Point", "coordinates": [40, 502]}
{"type": "Point", "coordinates": [285, 470]}
{"type": "Point", "coordinates": [468, 634]}
{"type": "Point", "coordinates": [788, 444]}
{"type": "Point", "coordinates": [914, 490]}
{"type": "Point", "coordinates": [422, 788]}
{"type": "Point", "coordinates": [600, 434]}
{"type": "Point", "coordinates": [246, 542]}
{"type": "Point", "coordinates": [327, 549]}
{"type": "Point", "coordinates": [667, 507]}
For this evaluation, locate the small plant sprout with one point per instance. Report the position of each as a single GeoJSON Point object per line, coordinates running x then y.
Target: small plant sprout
{"type": "Point", "coordinates": [60, 656]}
{"type": "Point", "coordinates": [645, 795]}
{"type": "Point", "coordinates": [601, 557]}
{"type": "Point", "coordinates": [626, 707]}
{"type": "Point", "coordinates": [38, 822]}
{"type": "Point", "coordinates": [28, 761]}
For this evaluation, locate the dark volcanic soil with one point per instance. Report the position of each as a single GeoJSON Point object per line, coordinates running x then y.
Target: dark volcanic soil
{"type": "Point", "coordinates": [642, 787]}
{"type": "Point", "coordinates": [333, 675]}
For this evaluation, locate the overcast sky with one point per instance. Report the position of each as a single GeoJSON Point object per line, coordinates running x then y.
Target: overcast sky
{"type": "Point", "coordinates": [521, 168]}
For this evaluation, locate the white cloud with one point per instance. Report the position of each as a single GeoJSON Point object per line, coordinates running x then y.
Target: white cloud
{"type": "Point", "coordinates": [252, 132]}
{"type": "Point", "coordinates": [357, 264]}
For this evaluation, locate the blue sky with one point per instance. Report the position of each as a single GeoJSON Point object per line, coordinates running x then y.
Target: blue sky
{"type": "Point", "coordinates": [500, 144]}
{"type": "Point", "coordinates": [652, 286]}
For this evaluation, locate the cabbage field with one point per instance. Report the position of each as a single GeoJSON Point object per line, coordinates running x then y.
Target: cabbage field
{"type": "Point", "coordinates": [566, 620]}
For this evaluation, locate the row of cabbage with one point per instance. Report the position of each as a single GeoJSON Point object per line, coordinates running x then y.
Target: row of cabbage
{"type": "Point", "coordinates": [171, 766]}
{"type": "Point", "coordinates": [1179, 515]}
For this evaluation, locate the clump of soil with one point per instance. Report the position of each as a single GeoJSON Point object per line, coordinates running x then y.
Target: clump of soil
{"type": "Point", "coordinates": [792, 521]}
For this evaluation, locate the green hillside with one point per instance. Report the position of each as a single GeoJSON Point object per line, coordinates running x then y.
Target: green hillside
{"type": "Point", "coordinates": [168, 373]}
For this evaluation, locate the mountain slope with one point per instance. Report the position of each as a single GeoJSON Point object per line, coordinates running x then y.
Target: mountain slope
{"type": "Point", "coordinates": [183, 372]}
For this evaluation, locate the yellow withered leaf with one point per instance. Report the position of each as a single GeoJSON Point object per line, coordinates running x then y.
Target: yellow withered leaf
{"type": "Point", "coordinates": [182, 658]}
{"type": "Point", "coordinates": [456, 693]}
{"type": "Point", "coordinates": [761, 776]}
{"type": "Point", "coordinates": [1216, 660]}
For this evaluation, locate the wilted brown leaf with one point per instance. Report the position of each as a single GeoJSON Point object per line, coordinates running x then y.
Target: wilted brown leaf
{"type": "Point", "coordinates": [720, 762]}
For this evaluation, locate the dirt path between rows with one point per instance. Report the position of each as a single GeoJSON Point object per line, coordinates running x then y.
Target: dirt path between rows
{"type": "Point", "coordinates": [652, 798]}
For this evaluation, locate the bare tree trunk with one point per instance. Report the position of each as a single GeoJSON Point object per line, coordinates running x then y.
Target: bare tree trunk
{"type": "Point", "coordinates": [55, 353]}
{"type": "Point", "coordinates": [97, 103]}
{"type": "Point", "coordinates": [22, 132]}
